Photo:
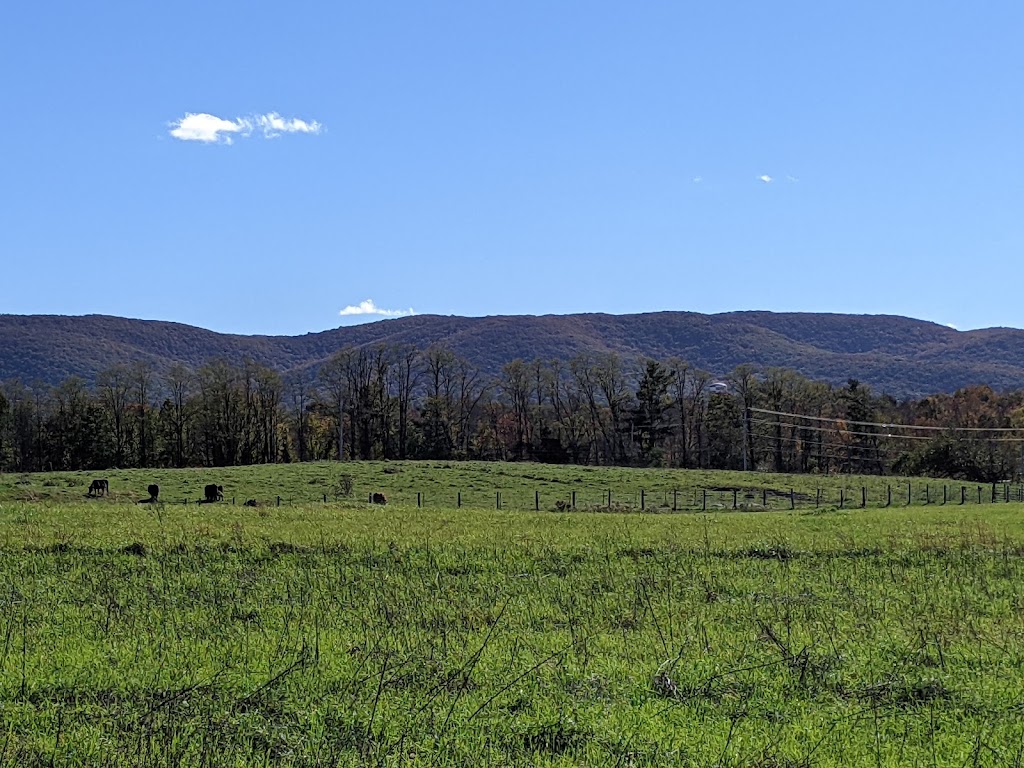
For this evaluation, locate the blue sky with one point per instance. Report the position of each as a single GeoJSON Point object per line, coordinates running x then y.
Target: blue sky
{"type": "Point", "coordinates": [483, 158]}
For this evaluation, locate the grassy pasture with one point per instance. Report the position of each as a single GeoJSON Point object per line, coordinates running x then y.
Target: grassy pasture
{"type": "Point", "coordinates": [344, 634]}
{"type": "Point", "coordinates": [441, 483]}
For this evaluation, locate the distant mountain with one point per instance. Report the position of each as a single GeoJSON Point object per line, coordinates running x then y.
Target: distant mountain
{"type": "Point", "coordinates": [897, 355]}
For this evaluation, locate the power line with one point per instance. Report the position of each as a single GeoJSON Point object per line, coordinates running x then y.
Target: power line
{"type": "Point", "coordinates": [883, 436]}
{"type": "Point", "coordinates": [884, 425]}
{"type": "Point", "coordinates": [816, 451]}
{"type": "Point", "coordinates": [819, 444]}
{"type": "Point", "coordinates": [845, 453]}
{"type": "Point", "coordinates": [843, 431]}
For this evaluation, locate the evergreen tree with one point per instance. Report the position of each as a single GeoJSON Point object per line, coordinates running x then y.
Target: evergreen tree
{"type": "Point", "coordinates": [653, 404]}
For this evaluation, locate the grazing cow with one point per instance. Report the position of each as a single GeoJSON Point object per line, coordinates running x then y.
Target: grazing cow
{"type": "Point", "coordinates": [214, 492]}
{"type": "Point", "coordinates": [99, 488]}
{"type": "Point", "coordinates": [379, 498]}
{"type": "Point", "coordinates": [154, 494]}
{"type": "Point", "coordinates": [250, 503]}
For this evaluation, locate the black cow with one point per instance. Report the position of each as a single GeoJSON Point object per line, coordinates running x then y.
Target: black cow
{"type": "Point", "coordinates": [379, 498]}
{"type": "Point", "coordinates": [99, 488]}
{"type": "Point", "coordinates": [214, 492]}
{"type": "Point", "coordinates": [154, 494]}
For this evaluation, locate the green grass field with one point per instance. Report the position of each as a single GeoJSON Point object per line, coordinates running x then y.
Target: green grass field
{"type": "Point", "coordinates": [521, 485]}
{"type": "Point", "coordinates": [346, 634]}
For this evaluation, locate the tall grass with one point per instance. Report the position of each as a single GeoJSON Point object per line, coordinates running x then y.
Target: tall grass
{"type": "Point", "coordinates": [342, 634]}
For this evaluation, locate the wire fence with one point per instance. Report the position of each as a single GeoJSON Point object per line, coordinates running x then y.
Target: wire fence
{"type": "Point", "coordinates": [681, 500]}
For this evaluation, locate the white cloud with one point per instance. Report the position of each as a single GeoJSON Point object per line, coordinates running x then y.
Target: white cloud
{"type": "Point", "coordinates": [792, 179]}
{"type": "Point", "coordinates": [274, 125]}
{"type": "Point", "coordinates": [369, 308]}
{"type": "Point", "coordinates": [206, 128]}
{"type": "Point", "coordinates": [698, 179]}
{"type": "Point", "coordinates": [766, 179]}
{"type": "Point", "coordinates": [211, 129]}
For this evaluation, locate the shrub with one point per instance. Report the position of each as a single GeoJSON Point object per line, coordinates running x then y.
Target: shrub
{"type": "Point", "coordinates": [344, 487]}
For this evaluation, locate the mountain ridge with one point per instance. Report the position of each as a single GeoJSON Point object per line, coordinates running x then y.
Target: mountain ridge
{"type": "Point", "coordinates": [893, 354]}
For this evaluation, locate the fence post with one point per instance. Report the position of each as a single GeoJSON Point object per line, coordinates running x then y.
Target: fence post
{"type": "Point", "coordinates": [609, 498]}
{"type": "Point", "coordinates": [817, 499]}
{"type": "Point", "coordinates": [963, 494]}
{"type": "Point", "coordinates": [232, 501]}
{"type": "Point", "coordinates": [325, 498]}
{"type": "Point", "coordinates": [458, 500]}
{"type": "Point", "coordinates": [792, 499]}
{"type": "Point", "coordinates": [574, 499]}
{"type": "Point", "coordinates": [993, 493]}
{"type": "Point", "coordinates": [675, 500]}
{"type": "Point", "coordinates": [704, 500]}
{"type": "Point", "coordinates": [643, 500]}
{"type": "Point", "coordinates": [536, 501]}
{"type": "Point", "coordinates": [910, 492]}
{"type": "Point", "coordinates": [863, 497]}
{"type": "Point", "coordinates": [945, 490]}
{"type": "Point", "coordinates": [888, 495]}
{"type": "Point", "coordinates": [279, 501]}
{"type": "Point", "coordinates": [419, 498]}
{"type": "Point", "coordinates": [764, 498]}
{"type": "Point", "coordinates": [841, 499]}
{"type": "Point", "coordinates": [979, 494]}
{"type": "Point", "coordinates": [497, 499]}
{"type": "Point", "coordinates": [927, 494]}
{"type": "Point", "coordinates": [735, 496]}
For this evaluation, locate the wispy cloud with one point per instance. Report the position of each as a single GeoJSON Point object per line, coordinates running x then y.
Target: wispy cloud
{"type": "Point", "coordinates": [766, 179]}
{"type": "Point", "coordinates": [367, 307]}
{"type": "Point", "coordinates": [210, 129]}
{"type": "Point", "coordinates": [698, 179]}
{"type": "Point", "coordinates": [272, 124]}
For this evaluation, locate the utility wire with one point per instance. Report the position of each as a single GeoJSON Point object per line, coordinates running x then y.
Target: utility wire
{"type": "Point", "coordinates": [884, 424]}
{"type": "Point", "coordinates": [883, 436]}
{"type": "Point", "coordinates": [843, 431]}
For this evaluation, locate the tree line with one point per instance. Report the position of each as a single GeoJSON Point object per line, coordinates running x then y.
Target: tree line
{"type": "Point", "coordinates": [398, 402]}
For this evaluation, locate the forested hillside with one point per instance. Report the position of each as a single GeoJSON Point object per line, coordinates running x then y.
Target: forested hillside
{"type": "Point", "coordinates": [389, 401]}
{"type": "Point", "coordinates": [895, 355]}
